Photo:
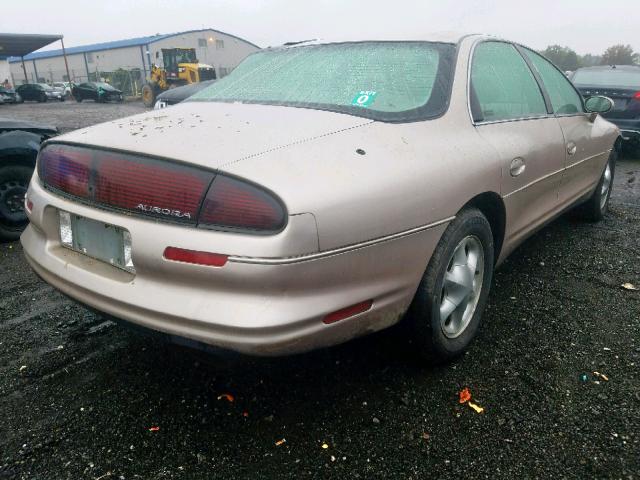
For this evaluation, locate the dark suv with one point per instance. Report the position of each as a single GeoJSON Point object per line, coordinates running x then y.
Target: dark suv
{"type": "Point", "coordinates": [621, 83]}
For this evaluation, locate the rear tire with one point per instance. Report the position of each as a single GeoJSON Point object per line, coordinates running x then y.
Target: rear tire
{"type": "Point", "coordinates": [594, 209]}
{"type": "Point", "coordinates": [447, 308]}
{"type": "Point", "coordinates": [79, 99]}
{"type": "Point", "coordinates": [14, 180]}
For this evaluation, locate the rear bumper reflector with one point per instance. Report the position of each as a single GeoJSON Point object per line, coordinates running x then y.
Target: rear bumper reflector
{"type": "Point", "coordinates": [197, 258]}
{"type": "Point", "coordinates": [348, 312]}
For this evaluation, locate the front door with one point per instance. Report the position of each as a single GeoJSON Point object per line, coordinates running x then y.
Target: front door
{"type": "Point", "coordinates": [585, 158]}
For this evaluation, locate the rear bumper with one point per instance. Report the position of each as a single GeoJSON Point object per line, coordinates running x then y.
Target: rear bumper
{"type": "Point", "coordinates": [253, 305]}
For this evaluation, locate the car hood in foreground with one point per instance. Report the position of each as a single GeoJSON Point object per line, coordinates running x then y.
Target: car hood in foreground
{"type": "Point", "coordinates": [10, 124]}
{"type": "Point", "coordinates": [214, 134]}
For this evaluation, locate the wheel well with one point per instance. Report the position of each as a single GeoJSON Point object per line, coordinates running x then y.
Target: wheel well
{"type": "Point", "coordinates": [492, 207]}
{"type": "Point", "coordinates": [16, 159]}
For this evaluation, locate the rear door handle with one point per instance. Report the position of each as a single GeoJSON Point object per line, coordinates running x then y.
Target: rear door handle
{"type": "Point", "coordinates": [517, 167]}
{"type": "Point", "coordinates": [572, 148]}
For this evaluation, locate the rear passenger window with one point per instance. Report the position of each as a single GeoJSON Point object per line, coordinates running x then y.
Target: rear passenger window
{"type": "Point", "coordinates": [503, 87]}
{"type": "Point", "coordinates": [564, 98]}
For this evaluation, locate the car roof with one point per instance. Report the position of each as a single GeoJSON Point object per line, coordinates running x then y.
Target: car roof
{"type": "Point", "coordinates": [437, 37]}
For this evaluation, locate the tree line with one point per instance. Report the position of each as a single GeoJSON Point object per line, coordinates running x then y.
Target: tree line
{"type": "Point", "coordinates": [568, 59]}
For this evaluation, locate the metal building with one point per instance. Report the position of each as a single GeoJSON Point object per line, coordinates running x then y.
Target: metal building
{"type": "Point", "coordinates": [126, 63]}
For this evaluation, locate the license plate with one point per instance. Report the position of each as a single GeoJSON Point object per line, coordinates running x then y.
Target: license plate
{"type": "Point", "coordinates": [108, 243]}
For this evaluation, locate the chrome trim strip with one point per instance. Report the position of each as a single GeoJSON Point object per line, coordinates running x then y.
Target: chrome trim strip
{"type": "Point", "coordinates": [337, 251]}
{"type": "Point", "coordinates": [587, 159]}
{"type": "Point", "coordinates": [538, 180]}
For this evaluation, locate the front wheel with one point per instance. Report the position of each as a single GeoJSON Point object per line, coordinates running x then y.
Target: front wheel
{"type": "Point", "coordinates": [445, 313]}
{"type": "Point", "coordinates": [597, 206]}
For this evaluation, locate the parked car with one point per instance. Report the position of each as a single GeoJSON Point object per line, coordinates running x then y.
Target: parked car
{"type": "Point", "coordinates": [178, 94]}
{"type": "Point", "coordinates": [621, 83]}
{"type": "Point", "coordinates": [97, 91]}
{"type": "Point", "coordinates": [19, 145]}
{"type": "Point", "coordinates": [291, 206]}
{"type": "Point", "coordinates": [39, 92]}
{"type": "Point", "coordinates": [9, 95]}
{"type": "Point", "coordinates": [65, 87]}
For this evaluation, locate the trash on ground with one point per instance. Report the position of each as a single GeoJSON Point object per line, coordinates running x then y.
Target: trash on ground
{"type": "Point", "coordinates": [280, 442]}
{"type": "Point", "coordinates": [630, 286]}
{"type": "Point", "coordinates": [325, 446]}
{"type": "Point", "coordinates": [602, 376]}
{"type": "Point", "coordinates": [245, 414]}
{"type": "Point", "coordinates": [584, 377]}
{"type": "Point", "coordinates": [154, 429]}
{"type": "Point", "coordinates": [226, 396]}
{"type": "Point", "coordinates": [465, 395]}
{"type": "Point", "coordinates": [23, 368]}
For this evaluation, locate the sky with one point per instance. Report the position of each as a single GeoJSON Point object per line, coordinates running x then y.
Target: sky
{"type": "Point", "coordinates": [587, 26]}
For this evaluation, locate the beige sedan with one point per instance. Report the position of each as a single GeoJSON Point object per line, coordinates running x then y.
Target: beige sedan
{"type": "Point", "coordinates": [321, 192]}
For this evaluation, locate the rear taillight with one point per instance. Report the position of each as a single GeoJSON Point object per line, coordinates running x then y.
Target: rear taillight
{"type": "Point", "coordinates": [66, 169]}
{"type": "Point", "coordinates": [153, 186]}
{"type": "Point", "coordinates": [159, 188]}
{"type": "Point", "coordinates": [148, 186]}
{"type": "Point", "coordinates": [636, 96]}
{"type": "Point", "coordinates": [234, 204]}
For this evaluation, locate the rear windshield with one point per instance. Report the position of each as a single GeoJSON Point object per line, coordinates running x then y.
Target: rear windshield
{"type": "Point", "coordinates": [388, 81]}
{"type": "Point", "coordinates": [608, 78]}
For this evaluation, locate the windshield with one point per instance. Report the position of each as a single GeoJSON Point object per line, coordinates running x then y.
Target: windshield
{"type": "Point", "coordinates": [104, 85]}
{"type": "Point", "coordinates": [608, 78]}
{"type": "Point", "coordinates": [389, 81]}
{"type": "Point", "coordinates": [45, 86]}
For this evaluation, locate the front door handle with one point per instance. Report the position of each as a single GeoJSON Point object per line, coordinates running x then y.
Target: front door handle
{"type": "Point", "coordinates": [517, 166]}
{"type": "Point", "coordinates": [572, 148]}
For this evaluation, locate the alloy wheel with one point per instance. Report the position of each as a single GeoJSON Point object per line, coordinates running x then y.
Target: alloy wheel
{"type": "Point", "coordinates": [461, 286]}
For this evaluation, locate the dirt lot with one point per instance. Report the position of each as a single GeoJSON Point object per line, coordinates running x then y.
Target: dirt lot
{"type": "Point", "coordinates": [79, 396]}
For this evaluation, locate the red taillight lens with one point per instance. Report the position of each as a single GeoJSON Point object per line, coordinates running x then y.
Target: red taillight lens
{"type": "Point", "coordinates": [238, 205]}
{"type": "Point", "coordinates": [160, 188]}
{"type": "Point", "coordinates": [152, 186]}
{"type": "Point", "coordinates": [66, 169]}
{"type": "Point", "coordinates": [144, 185]}
{"type": "Point", "coordinates": [195, 257]}
{"type": "Point", "coordinates": [348, 312]}
{"type": "Point", "coordinates": [636, 96]}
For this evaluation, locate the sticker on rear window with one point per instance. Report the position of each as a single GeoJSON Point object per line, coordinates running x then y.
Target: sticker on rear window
{"type": "Point", "coordinates": [364, 99]}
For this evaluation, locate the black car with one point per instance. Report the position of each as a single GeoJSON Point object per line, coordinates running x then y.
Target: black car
{"type": "Point", "coordinates": [97, 91]}
{"type": "Point", "coordinates": [178, 94]}
{"type": "Point", "coordinates": [39, 92]}
{"type": "Point", "coordinates": [621, 83]}
{"type": "Point", "coordinates": [9, 95]}
{"type": "Point", "coordinates": [19, 145]}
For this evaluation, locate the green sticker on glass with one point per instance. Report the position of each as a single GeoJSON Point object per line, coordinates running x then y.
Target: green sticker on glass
{"type": "Point", "coordinates": [364, 99]}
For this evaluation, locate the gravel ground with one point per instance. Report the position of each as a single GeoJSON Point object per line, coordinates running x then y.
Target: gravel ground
{"type": "Point", "coordinates": [79, 396]}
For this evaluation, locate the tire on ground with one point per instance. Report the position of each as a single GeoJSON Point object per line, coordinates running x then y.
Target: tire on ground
{"type": "Point", "coordinates": [10, 174]}
{"type": "Point", "coordinates": [595, 208]}
{"type": "Point", "coordinates": [425, 330]}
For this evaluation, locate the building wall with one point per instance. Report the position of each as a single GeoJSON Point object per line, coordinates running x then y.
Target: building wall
{"type": "Point", "coordinates": [224, 52]}
{"type": "Point", "coordinates": [53, 69]}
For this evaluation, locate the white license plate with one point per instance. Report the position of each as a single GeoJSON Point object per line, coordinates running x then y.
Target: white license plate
{"type": "Point", "coordinates": [108, 243]}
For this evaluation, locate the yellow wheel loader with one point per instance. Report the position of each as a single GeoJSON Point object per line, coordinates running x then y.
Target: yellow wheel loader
{"type": "Point", "coordinates": [181, 67]}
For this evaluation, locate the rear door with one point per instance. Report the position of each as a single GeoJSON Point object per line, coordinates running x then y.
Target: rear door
{"type": "Point", "coordinates": [510, 112]}
{"type": "Point", "coordinates": [587, 144]}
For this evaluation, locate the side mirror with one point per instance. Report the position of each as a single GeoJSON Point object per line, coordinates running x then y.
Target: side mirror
{"type": "Point", "coordinates": [598, 104]}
